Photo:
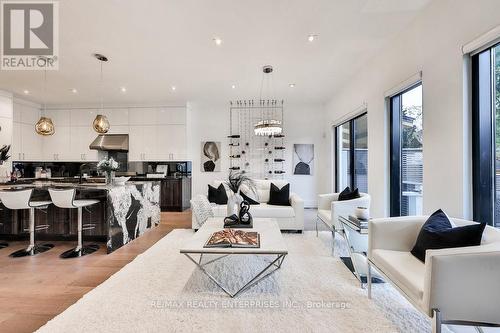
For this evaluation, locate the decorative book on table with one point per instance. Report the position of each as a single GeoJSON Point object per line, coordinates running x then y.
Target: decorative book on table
{"type": "Point", "coordinates": [234, 238]}
{"type": "Point", "coordinates": [360, 223]}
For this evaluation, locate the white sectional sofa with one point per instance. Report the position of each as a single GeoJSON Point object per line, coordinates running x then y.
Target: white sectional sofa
{"type": "Point", "coordinates": [454, 285]}
{"type": "Point", "coordinates": [290, 218]}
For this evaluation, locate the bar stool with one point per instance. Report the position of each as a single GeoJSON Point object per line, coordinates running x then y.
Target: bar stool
{"type": "Point", "coordinates": [3, 245]}
{"type": "Point", "coordinates": [65, 198]}
{"type": "Point", "coordinates": [21, 199]}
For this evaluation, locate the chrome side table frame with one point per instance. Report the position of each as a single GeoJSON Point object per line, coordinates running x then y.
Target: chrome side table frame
{"type": "Point", "coordinates": [272, 267]}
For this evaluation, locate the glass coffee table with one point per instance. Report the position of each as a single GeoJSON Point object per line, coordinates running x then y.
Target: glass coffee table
{"type": "Point", "coordinates": [357, 241]}
{"type": "Point", "coordinates": [272, 245]}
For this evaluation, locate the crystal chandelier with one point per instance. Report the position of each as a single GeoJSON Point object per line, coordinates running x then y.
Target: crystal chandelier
{"type": "Point", "coordinates": [267, 126]}
{"type": "Point", "coordinates": [101, 123]}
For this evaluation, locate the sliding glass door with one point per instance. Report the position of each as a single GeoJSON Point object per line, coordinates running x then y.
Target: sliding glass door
{"type": "Point", "coordinates": [351, 151]}
{"type": "Point", "coordinates": [486, 135]}
{"type": "Point", "coordinates": [406, 144]}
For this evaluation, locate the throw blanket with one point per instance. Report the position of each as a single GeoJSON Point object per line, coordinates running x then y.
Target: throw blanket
{"type": "Point", "coordinates": [202, 209]}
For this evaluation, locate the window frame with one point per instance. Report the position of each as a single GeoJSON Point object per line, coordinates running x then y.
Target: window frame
{"type": "Point", "coordinates": [395, 145]}
{"type": "Point", "coordinates": [352, 162]}
{"type": "Point", "coordinates": [483, 137]}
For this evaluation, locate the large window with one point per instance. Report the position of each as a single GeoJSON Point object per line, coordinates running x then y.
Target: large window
{"type": "Point", "coordinates": [351, 151]}
{"type": "Point", "coordinates": [406, 152]}
{"type": "Point", "coordinates": [486, 135]}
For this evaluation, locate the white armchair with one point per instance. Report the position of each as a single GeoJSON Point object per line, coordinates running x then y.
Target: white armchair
{"type": "Point", "coordinates": [329, 210]}
{"type": "Point", "coordinates": [453, 286]}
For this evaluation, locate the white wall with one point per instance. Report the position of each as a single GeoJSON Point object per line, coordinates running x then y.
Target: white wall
{"type": "Point", "coordinates": [6, 123]}
{"type": "Point", "coordinates": [302, 124]}
{"type": "Point", "coordinates": [432, 44]}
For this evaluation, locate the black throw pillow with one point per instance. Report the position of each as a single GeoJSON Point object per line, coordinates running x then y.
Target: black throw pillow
{"type": "Point", "coordinates": [279, 197]}
{"type": "Point", "coordinates": [346, 194]}
{"type": "Point", "coordinates": [248, 199]}
{"type": "Point", "coordinates": [217, 195]}
{"type": "Point", "coordinates": [438, 233]}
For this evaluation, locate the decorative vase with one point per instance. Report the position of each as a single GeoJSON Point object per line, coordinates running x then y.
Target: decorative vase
{"type": "Point", "coordinates": [233, 204]}
{"type": "Point", "coordinates": [362, 213]}
{"type": "Point", "coordinates": [110, 176]}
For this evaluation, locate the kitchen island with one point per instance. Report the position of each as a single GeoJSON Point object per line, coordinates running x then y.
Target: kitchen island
{"type": "Point", "coordinates": [122, 214]}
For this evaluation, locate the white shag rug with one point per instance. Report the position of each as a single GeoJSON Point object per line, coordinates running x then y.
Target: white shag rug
{"type": "Point", "coordinates": [162, 291]}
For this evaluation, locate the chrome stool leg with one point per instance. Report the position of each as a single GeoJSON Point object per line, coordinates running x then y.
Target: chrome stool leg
{"type": "Point", "coordinates": [32, 248]}
{"type": "Point", "coordinates": [80, 249]}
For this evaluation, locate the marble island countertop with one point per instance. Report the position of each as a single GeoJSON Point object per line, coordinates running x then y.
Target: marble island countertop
{"type": "Point", "coordinates": [129, 210]}
{"type": "Point", "coordinates": [46, 184]}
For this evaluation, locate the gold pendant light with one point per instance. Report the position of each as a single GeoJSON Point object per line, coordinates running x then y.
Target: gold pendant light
{"type": "Point", "coordinates": [101, 123]}
{"type": "Point", "coordinates": [44, 126]}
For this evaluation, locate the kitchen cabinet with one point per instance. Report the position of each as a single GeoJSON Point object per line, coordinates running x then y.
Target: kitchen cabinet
{"type": "Point", "coordinates": [57, 147]}
{"type": "Point", "coordinates": [81, 137]}
{"type": "Point", "coordinates": [175, 194]}
{"type": "Point", "coordinates": [142, 143]}
{"type": "Point", "coordinates": [171, 142]}
{"type": "Point", "coordinates": [82, 117]}
{"type": "Point", "coordinates": [26, 143]}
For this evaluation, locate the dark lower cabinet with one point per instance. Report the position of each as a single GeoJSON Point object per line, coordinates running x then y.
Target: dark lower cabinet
{"type": "Point", "coordinates": [175, 194]}
{"type": "Point", "coordinates": [62, 223]}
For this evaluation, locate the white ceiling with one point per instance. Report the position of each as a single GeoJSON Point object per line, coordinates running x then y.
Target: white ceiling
{"type": "Point", "coordinates": [155, 44]}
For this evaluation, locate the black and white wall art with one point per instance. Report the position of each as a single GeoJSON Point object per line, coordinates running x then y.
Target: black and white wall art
{"type": "Point", "coordinates": [303, 159]}
{"type": "Point", "coordinates": [210, 156]}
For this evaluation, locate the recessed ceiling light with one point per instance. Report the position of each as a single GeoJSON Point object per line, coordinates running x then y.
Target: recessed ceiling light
{"type": "Point", "coordinates": [74, 91]}
{"type": "Point", "coordinates": [26, 92]}
{"type": "Point", "coordinates": [217, 41]}
{"type": "Point", "coordinates": [173, 88]}
{"type": "Point", "coordinates": [233, 86]}
{"type": "Point", "coordinates": [311, 38]}
{"type": "Point", "coordinates": [123, 89]}
{"type": "Point", "coordinates": [292, 85]}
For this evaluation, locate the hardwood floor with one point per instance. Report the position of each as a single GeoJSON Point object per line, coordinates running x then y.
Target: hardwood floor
{"type": "Point", "coordinates": [33, 290]}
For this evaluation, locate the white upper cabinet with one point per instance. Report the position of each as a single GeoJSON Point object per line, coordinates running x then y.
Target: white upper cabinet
{"type": "Point", "coordinates": [57, 147]}
{"type": "Point", "coordinates": [82, 117]}
{"type": "Point", "coordinates": [171, 116]}
{"type": "Point", "coordinates": [81, 138]}
{"type": "Point", "coordinates": [17, 146]}
{"type": "Point", "coordinates": [59, 117]}
{"type": "Point", "coordinates": [31, 143]}
{"type": "Point", "coordinates": [142, 116]}
{"type": "Point", "coordinates": [117, 117]}
{"type": "Point", "coordinates": [155, 133]}
{"type": "Point", "coordinates": [27, 145]}
{"type": "Point", "coordinates": [118, 129]}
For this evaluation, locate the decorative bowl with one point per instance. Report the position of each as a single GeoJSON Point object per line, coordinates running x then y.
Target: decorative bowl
{"type": "Point", "coordinates": [120, 181]}
{"type": "Point", "coordinates": [362, 213]}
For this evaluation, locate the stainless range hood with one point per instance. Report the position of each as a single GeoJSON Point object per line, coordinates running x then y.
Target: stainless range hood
{"type": "Point", "coordinates": [107, 142]}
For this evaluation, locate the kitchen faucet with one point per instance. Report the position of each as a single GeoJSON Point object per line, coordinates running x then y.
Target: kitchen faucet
{"type": "Point", "coordinates": [82, 166]}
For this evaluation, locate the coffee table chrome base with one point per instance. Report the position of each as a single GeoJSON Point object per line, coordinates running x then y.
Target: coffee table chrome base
{"type": "Point", "coordinates": [272, 267]}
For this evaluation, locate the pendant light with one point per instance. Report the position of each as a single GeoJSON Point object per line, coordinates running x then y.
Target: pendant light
{"type": "Point", "coordinates": [44, 126]}
{"type": "Point", "coordinates": [101, 123]}
{"type": "Point", "coordinates": [267, 125]}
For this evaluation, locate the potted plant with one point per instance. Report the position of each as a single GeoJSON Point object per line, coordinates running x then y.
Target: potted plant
{"type": "Point", "coordinates": [234, 182]}
{"type": "Point", "coordinates": [108, 167]}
